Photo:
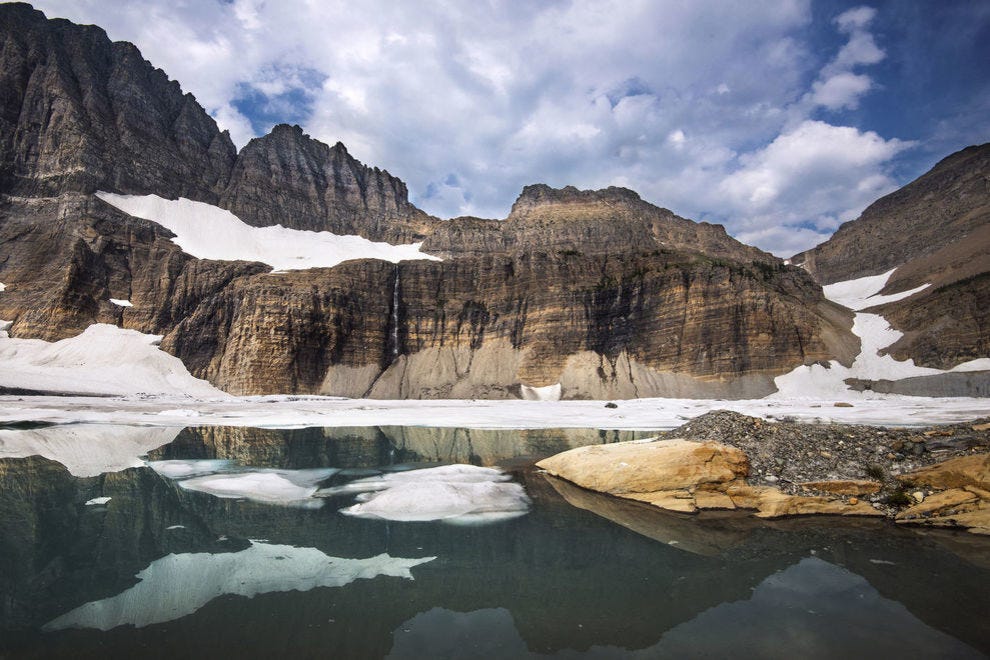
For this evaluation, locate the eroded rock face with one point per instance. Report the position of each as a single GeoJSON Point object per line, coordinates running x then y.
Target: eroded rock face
{"type": "Point", "coordinates": [82, 113]}
{"type": "Point", "coordinates": [686, 476]}
{"type": "Point", "coordinates": [288, 178]}
{"type": "Point", "coordinates": [939, 208]}
{"type": "Point", "coordinates": [479, 327]}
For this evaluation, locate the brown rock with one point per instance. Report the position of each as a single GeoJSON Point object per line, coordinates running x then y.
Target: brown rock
{"type": "Point", "coordinates": [939, 501]}
{"type": "Point", "coordinates": [973, 470]}
{"type": "Point", "coordinates": [648, 467]}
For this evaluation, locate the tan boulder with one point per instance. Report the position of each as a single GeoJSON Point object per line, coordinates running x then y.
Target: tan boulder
{"type": "Point", "coordinates": [972, 470]}
{"type": "Point", "coordinates": [684, 476]}
{"type": "Point", "coordinates": [628, 468]}
{"type": "Point", "coordinates": [947, 499]}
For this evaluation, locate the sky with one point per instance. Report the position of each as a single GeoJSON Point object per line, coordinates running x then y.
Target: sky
{"type": "Point", "coordinates": [780, 119]}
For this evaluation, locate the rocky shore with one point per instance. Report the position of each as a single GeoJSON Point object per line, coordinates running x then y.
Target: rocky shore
{"type": "Point", "coordinates": [938, 476]}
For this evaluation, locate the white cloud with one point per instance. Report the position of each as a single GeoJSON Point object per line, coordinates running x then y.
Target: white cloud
{"type": "Point", "coordinates": [694, 105]}
{"type": "Point", "coordinates": [840, 91]}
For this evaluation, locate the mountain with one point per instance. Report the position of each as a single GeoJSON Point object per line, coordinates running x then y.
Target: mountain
{"type": "Point", "coordinates": [935, 231]}
{"type": "Point", "coordinates": [585, 293]}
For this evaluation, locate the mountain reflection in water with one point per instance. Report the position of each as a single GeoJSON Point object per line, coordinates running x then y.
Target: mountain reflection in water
{"type": "Point", "coordinates": [578, 575]}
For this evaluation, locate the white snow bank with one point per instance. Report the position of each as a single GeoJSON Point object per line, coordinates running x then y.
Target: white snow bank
{"type": "Point", "coordinates": [97, 501]}
{"type": "Point", "coordinates": [121, 303]}
{"type": "Point", "coordinates": [875, 333]}
{"type": "Point", "coordinates": [460, 494]}
{"type": "Point", "coordinates": [179, 584]}
{"type": "Point", "coordinates": [267, 486]}
{"type": "Point", "coordinates": [3, 287]}
{"type": "Point", "coordinates": [104, 359]}
{"type": "Point", "coordinates": [208, 232]}
{"type": "Point", "coordinates": [4, 327]}
{"type": "Point", "coordinates": [864, 292]}
{"type": "Point", "coordinates": [980, 364]}
{"type": "Point", "coordinates": [547, 393]}
{"type": "Point", "coordinates": [87, 450]}
{"type": "Point", "coordinates": [633, 414]}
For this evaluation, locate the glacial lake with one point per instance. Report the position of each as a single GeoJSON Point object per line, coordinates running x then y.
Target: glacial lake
{"type": "Point", "coordinates": [252, 542]}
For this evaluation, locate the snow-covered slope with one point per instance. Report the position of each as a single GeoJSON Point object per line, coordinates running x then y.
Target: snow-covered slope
{"type": "Point", "coordinates": [104, 359]}
{"type": "Point", "coordinates": [875, 333]}
{"type": "Point", "coordinates": [208, 232]}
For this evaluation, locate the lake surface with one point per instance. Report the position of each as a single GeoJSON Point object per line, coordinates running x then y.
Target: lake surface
{"type": "Point", "coordinates": [248, 541]}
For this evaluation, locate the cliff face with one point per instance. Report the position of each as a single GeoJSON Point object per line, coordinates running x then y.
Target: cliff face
{"type": "Point", "coordinates": [940, 208]}
{"type": "Point", "coordinates": [288, 178]}
{"type": "Point", "coordinates": [599, 291]}
{"type": "Point", "coordinates": [81, 113]}
{"type": "Point", "coordinates": [659, 323]}
{"type": "Point", "coordinates": [935, 231]}
{"type": "Point", "coordinates": [587, 222]}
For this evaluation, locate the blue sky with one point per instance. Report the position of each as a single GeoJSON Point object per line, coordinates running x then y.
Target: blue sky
{"type": "Point", "coordinates": [780, 119]}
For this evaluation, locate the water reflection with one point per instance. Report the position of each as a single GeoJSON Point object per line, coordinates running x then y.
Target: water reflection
{"type": "Point", "coordinates": [564, 579]}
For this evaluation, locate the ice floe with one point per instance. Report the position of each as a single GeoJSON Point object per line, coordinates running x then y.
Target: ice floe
{"type": "Point", "coordinates": [179, 584]}
{"type": "Point", "coordinates": [209, 232]}
{"type": "Point", "coordinates": [98, 501]}
{"type": "Point", "coordinates": [268, 486]}
{"type": "Point", "coordinates": [185, 468]}
{"type": "Point", "coordinates": [103, 359]}
{"type": "Point", "coordinates": [459, 494]}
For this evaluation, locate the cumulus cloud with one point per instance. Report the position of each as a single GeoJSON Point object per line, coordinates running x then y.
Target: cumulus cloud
{"type": "Point", "coordinates": [706, 108]}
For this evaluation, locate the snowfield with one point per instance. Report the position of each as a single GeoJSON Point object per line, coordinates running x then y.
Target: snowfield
{"type": "Point", "coordinates": [208, 232]}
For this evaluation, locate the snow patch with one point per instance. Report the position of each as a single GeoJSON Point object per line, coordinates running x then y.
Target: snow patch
{"type": "Point", "coordinates": [121, 303]}
{"type": "Point", "coordinates": [96, 501]}
{"type": "Point", "coordinates": [207, 232]}
{"type": "Point", "coordinates": [104, 359]}
{"type": "Point", "coordinates": [268, 486]}
{"type": "Point", "coordinates": [5, 328]}
{"type": "Point", "coordinates": [547, 393]}
{"type": "Point", "coordinates": [179, 584]}
{"type": "Point", "coordinates": [3, 287]}
{"type": "Point", "coordinates": [875, 333]}
{"type": "Point", "coordinates": [87, 450]}
{"type": "Point", "coordinates": [459, 494]}
{"type": "Point", "coordinates": [980, 364]}
{"type": "Point", "coordinates": [864, 292]}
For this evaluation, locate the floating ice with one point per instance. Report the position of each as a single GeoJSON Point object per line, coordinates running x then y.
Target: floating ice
{"type": "Point", "coordinates": [268, 486]}
{"type": "Point", "coordinates": [208, 232]}
{"type": "Point", "coordinates": [179, 584]}
{"type": "Point", "coordinates": [182, 469]}
{"type": "Point", "coordinates": [96, 501]}
{"type": "Point", "coordinates": [460, 494]}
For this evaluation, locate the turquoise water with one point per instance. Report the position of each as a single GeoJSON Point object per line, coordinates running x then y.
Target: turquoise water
{"type": "Point", "coordinates": [162, 570]}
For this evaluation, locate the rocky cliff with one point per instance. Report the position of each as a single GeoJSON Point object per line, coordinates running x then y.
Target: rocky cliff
{"type": "Point", "coordinates": [80, 113]}
{"type": "Point", "coordinates": [935, 231]}
{"type": "Point", "coordinates": [597, 291]}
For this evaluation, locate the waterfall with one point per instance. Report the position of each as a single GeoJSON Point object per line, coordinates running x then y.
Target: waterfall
{"type": "Point", "coordinates": [395, 314]}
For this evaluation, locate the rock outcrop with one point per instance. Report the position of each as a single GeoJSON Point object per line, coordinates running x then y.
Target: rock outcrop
{"type": "Point", "coordinates": [288, 178]}
{"type": "Point", "coordinates": [935, 231]}
{"type": "Point", "coordinates": [686, 477]}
